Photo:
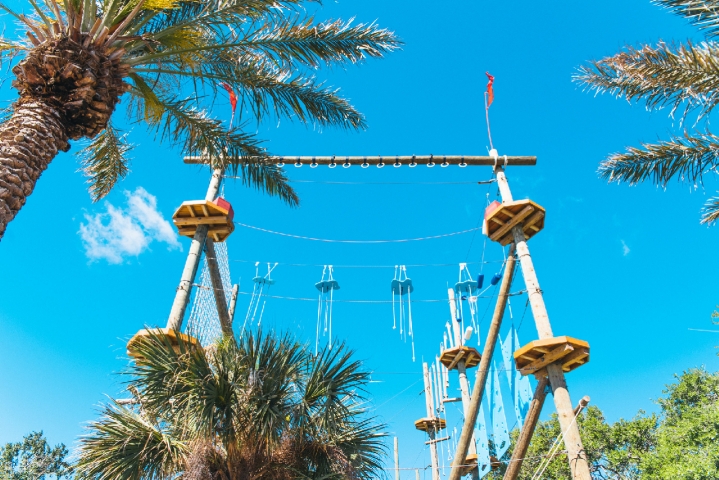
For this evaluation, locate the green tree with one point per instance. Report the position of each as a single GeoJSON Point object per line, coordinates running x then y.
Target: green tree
{"type": "Point", "coordinates": [33, 459]}
{"type": "Point", "coordinates": [82, 56]}
{"type": "Point", "coordinates": [257, 408]}
{"type": "Point", "coordinates": [683, 77]}
{"type": "Point", "coordinates": [681, 442]}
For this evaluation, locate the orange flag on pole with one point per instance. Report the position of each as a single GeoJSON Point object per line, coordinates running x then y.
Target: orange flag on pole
{"type": "Point", "coordinates": [233, 97]}
{"type": "Point", "coordinates": [490, 89]}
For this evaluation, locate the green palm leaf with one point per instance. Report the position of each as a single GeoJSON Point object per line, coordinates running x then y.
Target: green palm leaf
{"type": "Point", "coordinates": [710, 212]}
{"type": "Point", "coordinates": [259, 407]}
{"type": "Point", "coordinates": [687, 158]}
{"type": "Point", "coordinates": [701, 13]}
{"type": "Point", "coordinates": [104, 161]}
{"type": "Point", "coordinates": [660, 76]}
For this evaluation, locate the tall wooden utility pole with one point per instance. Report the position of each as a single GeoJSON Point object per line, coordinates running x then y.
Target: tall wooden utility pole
{"type": "Point", "coordinates": [182, 296]}
{"type": "Point", "coordinates": [430, 424]}
{"type": "Point", "coordinates": [469, 466]}
{"type": "Point", "coordinates": [396, 458]}
{"type": "Point", "coordinates": [201, 242]}
{"type": "Point", "coordinates": [565, 410]}
{"type": "Point", "coordinates": [470, 416]}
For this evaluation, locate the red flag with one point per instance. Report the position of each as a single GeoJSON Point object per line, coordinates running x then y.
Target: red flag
{"type": "Point", "coordinates": [233, 97]}
{"type": "Point", "coordinates": [490, 89]}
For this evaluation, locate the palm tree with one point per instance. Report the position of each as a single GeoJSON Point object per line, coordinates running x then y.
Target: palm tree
{"type": "Point", "coordinates": [261, 407]}
{"type": "Point", "coordinates": [683, 76]}
{"type": "Point", "coordinates": [82, 56]}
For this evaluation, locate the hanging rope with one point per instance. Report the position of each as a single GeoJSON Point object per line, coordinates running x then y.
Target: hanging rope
{"type": "Point", "coordinates": [326, 287]}
{"type": "Point", "coordinates": [404, 240]}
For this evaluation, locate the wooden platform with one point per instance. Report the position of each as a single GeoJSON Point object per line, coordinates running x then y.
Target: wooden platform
{"type": "Point", "coordinates": [170, 334]}
{"type": "Point", "coordinates": [427, 424]}
{"type": "Point", "coordinates": [534, 357]}
{"type": "Point", "coordinates": [192, 214]}
{"type": "Point", "coordinates": [500, 219]}
{"type": "Point", "coordinates": [470, 463]}
{"type": "Point", "coordinates": [452, 356]}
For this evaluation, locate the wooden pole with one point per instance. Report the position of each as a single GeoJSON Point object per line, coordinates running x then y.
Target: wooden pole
{"type": "Point", "coordinates": [525, 436]}
{"type": "Point", "coordinates": [562, 402]}
{"type": "Point", "coordinates": [217, 288]}
{"type": "Point", "coordinates": [470, 417]}
{"type": "Point", "coordinates": [416, 474]}
{"type": "Point", "coordinates": [396, 458]}
{"type": "Point", "coordinates": [430, 414]}
{"type": "Point", "coordinates": [461, 370]}
{"type": "Point", "coordinates": [182, 295]}
{"type": "Point", "coordinates": [233, 303]}
{"type": "Point", "coordinates": [392, 160]}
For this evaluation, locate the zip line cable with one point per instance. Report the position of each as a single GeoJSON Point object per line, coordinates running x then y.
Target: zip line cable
{"type": "Point", "coordinates": [307, 299]}
{"type": "Point", "coordinates": [325, 240]}
{"type": "Point", "coordinates": [416, 265]}
{"type": "Point", "coordinates": [330, 182]}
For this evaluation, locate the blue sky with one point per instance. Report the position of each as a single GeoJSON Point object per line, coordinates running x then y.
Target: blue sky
{"type": "Point", "coordinates": [628, 269]}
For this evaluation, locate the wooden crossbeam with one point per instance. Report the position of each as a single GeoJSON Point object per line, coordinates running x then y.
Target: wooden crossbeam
{"type": "Point", "coordinates": [390, 160]}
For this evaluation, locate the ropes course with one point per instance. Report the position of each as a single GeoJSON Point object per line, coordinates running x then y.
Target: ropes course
{"type": "Point", "coordinates": [478, 447]}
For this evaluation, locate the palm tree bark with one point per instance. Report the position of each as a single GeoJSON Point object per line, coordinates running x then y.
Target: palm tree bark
{"type": "Point", "coordinates": [29, 140]}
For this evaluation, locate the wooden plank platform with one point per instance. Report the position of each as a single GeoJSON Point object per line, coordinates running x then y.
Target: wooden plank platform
{"type": "Point", "coordinates": [501, 220]}
{"type": "Point", "coordinates": [452, 356]}
{"type": "Point", "coordinates": [194, 213]}
{"type": "Point", "coordinates": [434, 423]}
{"type": "Point", "coordinates": [534, 357]}
{"type": "Point", "coordinates": [168, 333]}
{"type": "Point", "coordinates": [470, 463]}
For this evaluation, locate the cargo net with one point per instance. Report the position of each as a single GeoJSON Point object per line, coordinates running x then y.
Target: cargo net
{"type": "Point", "coordinates": [204, 322]}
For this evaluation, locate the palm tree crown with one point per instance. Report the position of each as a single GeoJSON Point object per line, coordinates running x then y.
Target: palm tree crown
{"type": "Point", "coordinates": [257, 408]}
{"type": "Point", "coordinates": [82, 56]}
{"type": "Point", "coordinates": [684, 77]}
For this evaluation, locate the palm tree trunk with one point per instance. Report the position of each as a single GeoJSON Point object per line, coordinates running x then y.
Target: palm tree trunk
{"type": "Point", "coordinates": [29, 140]}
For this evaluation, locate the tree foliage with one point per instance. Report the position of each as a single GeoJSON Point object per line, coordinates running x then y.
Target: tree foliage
{"type": "Point", "coordinates": [262, 407]}
{"type": "Point", "coordinates": [683, 77]}
{"type": "Point", "coordinates": [170, 58]}
{"type": "Point", "coordinates": [681, 441]}
{"type": "Point", "coordinates": [34, 459]}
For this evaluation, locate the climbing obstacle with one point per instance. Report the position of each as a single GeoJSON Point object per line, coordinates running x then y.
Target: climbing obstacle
{"type": "Point", "coordinates": [451, 357]}
{"type": "Point", "coordinates": [217, 215]}
{"type": "Point", "coordinates": [167, 334]}
{"type": "Point", "coordinates": [501, 218]}
{"type": "Point", "coordinates": [568, 352]}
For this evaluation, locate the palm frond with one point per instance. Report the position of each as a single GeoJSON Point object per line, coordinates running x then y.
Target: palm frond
{"type": "Point", "coordinates": [311, 44]}
{"type": "Point", "coordinates": [660, 76]}
{"type": "Point", "coordinates": [710, 212]}
{"type": "Point", "coordinates": [104, 161]}
{"type": "Point", "coordinates": [701, 13]}
{"type": "Point", "coordinates": [687, 158]}
{"type": "Point", "coordinates": [197, 133]}
{"type": "Point", "coordinates": [124, 445]}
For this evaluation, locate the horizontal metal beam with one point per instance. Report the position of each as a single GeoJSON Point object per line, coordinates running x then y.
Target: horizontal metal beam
{"type": "Point", "coordinates": [395, 161]}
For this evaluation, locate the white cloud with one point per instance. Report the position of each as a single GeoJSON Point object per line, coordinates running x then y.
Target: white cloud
{"type": "Point", "coordinates": [625, 248]}
{"type": "Point", "coordinates": [119, 233]}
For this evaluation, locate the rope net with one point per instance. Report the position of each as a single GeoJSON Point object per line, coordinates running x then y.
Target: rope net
{"type": "Point", "coordinates": [204, 322]}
